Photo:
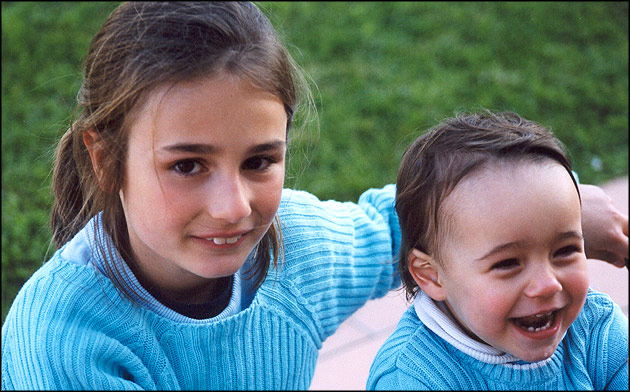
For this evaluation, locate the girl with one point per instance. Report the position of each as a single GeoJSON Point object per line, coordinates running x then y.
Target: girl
{"type": "Point", "coordinates": [493, 252]}
{"type": "Point", "coordinates": [170, 213]}
{"type": "Point", "coordinates": [170, 209]}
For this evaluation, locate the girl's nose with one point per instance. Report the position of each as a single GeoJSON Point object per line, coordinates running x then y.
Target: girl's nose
{"type": "Point", "coordinates": [543, 283]}
{"type": "Point", "coordinates": [228, 199]}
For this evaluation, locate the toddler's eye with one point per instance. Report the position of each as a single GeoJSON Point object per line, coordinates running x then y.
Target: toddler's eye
{"type": "Point", "coordinates": [567, 251]}
{"type": "Point", "coordinates": [506, 264]}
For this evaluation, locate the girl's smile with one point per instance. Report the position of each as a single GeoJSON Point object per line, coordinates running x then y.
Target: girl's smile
{"type": "Point", "coordinates": [222, 241]}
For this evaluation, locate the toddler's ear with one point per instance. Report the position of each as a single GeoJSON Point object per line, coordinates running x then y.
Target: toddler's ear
{"type": "Point", "coordinates": [425, 272]}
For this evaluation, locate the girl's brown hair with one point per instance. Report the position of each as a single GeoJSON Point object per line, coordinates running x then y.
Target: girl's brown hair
{"type": "Point", "coordinates": [140, 46]}
{"type": "Point", "coordinates": [437, 161]}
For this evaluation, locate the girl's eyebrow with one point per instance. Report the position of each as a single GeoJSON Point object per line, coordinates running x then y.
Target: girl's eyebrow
{"type": "Point", "coordinates": [270, 146]}
{"type": "Point", "coordinates": [196, 148]}
{"type": "Point", "coordinates": [200, 148]}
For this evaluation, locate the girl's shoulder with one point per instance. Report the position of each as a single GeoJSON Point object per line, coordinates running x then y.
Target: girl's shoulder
{"type": "Point", "coordinates": [66, 316]}
{"type": "Point", "coordinates": [66, 288]}
{"type": "Point", "coordinates": [57, 290]}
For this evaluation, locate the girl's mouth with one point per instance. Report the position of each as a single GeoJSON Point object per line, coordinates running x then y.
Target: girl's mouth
{"type": "Point", "coordinates": [223, 240]}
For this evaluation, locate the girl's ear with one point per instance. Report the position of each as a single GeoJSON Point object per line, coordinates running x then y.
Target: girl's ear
{"type": "Point", "coordinates": [424, 271]}
{"type": "Point", "coordinates": [92, 141]}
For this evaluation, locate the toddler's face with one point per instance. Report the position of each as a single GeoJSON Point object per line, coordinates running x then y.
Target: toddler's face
{"type": "Point", "coordinates": [204, 177]}
{"type": "Point", "coordinates": [515, 273]}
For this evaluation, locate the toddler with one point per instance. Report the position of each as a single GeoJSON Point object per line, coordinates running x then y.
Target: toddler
{"type": "Point", "coordinates": [493, 254]}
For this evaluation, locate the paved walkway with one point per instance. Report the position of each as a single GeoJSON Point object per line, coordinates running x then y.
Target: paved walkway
{"type": "Point", "coordinates": [345, 358]}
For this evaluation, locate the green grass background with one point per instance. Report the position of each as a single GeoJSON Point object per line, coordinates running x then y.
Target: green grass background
{"type": "Point", "coordinates": [382, 72]}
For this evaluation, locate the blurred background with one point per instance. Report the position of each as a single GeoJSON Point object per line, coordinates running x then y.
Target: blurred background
{"type": "Point", "coordinates": [381, 74]}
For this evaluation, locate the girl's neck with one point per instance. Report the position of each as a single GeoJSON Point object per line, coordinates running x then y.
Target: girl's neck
{"type": "Point", "coordinates": [200, 294]}
{"type": "Point", "coordinates": [204, 292]}
{"type": "Point", "coordinates": [200, 303]}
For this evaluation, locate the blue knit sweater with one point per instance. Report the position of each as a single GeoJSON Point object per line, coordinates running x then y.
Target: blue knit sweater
{"type": "Point", "coordinates": [69, 328]}
{"type": "Point", "coordinates": [592, 355]}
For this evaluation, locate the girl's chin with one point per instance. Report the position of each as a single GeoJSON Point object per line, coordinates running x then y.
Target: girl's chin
{"type": "Point", "coordinates": [220, 270]}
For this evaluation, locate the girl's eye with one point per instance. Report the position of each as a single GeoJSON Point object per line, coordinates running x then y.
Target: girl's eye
{"type": "Point", "coordinates": [187, 167]}
{"type": "Point", "coordinates": [505, 264]}
{"type": "Point", "coordinates": [260, 163]}
{"type": "Point", "coordinates": [567, 251]}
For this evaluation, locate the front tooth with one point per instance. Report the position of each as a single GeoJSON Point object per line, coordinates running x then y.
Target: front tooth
{"type": "Point", "coordinates": [219, 241]}
{"type": "Point", "coordinates": [232, 240]}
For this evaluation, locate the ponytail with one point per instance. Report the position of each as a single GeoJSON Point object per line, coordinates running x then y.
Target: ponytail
{"type": "Point", "coordinates": [66, 185]}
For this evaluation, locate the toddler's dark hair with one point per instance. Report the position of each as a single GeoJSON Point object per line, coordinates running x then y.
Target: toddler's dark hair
{"type": "Point", "coordinates": [438, 160]}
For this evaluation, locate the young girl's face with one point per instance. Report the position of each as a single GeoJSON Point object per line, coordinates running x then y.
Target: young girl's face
{"type": "Point", "coordinates": [515, 273]}
{"type": "Point", "coordinates": [203, 180]}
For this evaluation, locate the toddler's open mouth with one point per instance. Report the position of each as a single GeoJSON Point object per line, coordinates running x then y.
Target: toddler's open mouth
{"type": "Point", "coordinates": [536, 323]}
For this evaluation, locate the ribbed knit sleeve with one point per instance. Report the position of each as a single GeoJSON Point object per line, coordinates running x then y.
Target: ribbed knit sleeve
{"type": "Point", "coordinates": [351, 251]}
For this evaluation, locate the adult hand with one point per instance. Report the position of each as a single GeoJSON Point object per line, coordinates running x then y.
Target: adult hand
{"type": "Point", "coordinates": [605, 228]}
